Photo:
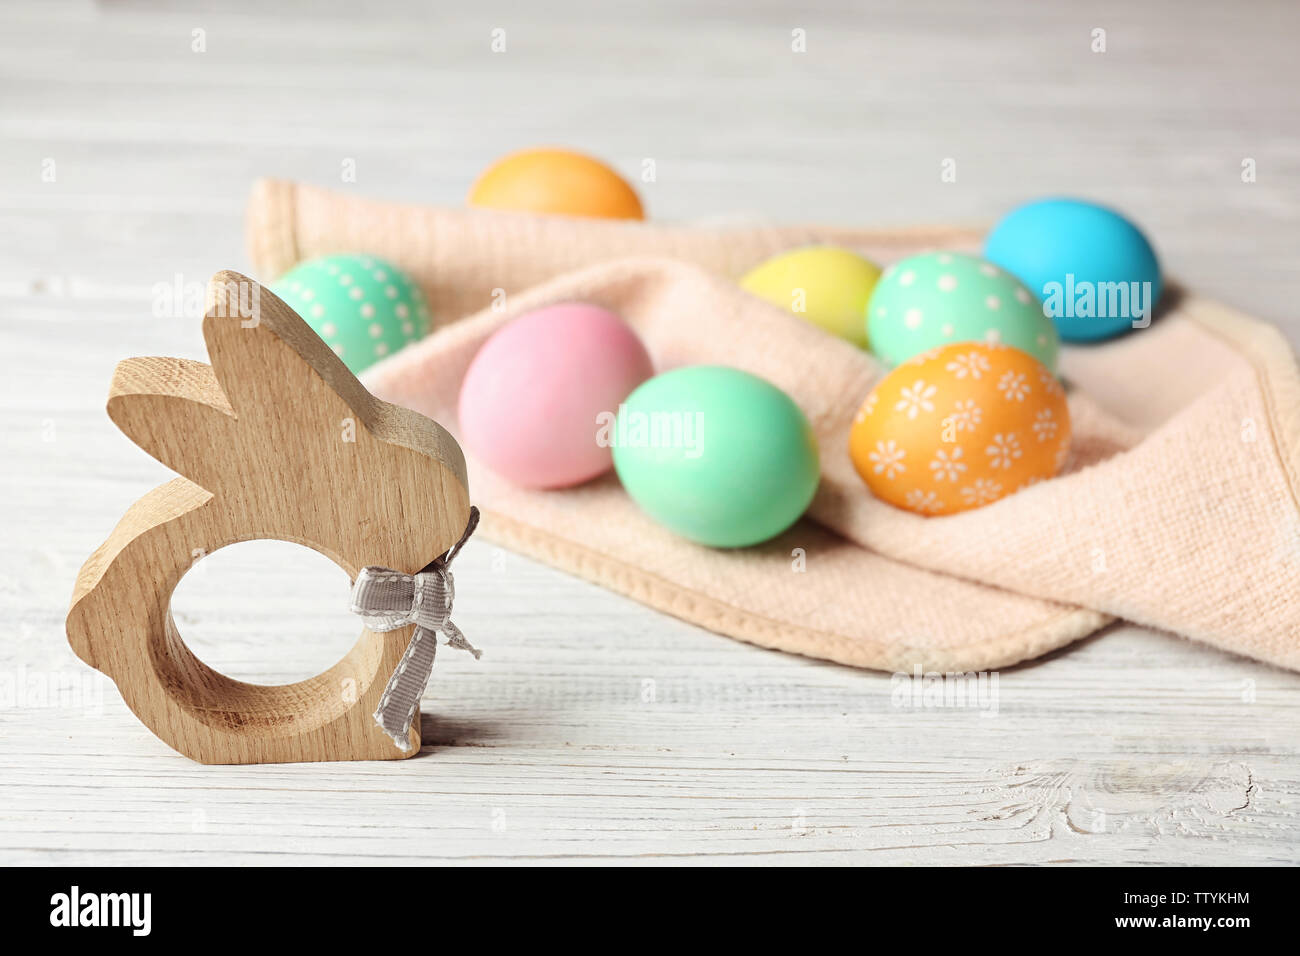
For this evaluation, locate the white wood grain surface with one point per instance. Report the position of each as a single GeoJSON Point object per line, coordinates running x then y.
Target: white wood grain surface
{"type": "Point", "coordinates": [594, 729]}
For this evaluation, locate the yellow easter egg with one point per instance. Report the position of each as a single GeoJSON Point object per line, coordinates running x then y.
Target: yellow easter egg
{"type": "Point", "coordinates": [826, 285]}
{"type": "Point", "coordinates": [959, 427]}
{"type": "Point", "coordinates": [557, 181]}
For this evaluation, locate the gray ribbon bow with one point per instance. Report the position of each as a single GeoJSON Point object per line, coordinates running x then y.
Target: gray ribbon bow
{"type": "Point", "coordinates": [388, 599]}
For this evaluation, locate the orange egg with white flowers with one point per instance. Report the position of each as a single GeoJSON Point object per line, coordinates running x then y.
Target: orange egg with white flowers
{"type": "Point", "coordinates": [959, 427]}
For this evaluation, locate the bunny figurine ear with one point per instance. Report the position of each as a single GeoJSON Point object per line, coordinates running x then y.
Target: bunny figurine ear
{"type": "Point", "coordinates": [262, 351]}
{"type": "Point", "coordinates": [276, 440]}
{"type": "Point", "coordinates": [174, 410]}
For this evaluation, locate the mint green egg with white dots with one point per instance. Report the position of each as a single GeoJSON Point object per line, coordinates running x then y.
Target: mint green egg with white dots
{"type": "Point", "coordinates": [364, 307]}
{"type": "Point", "coordinates": [938, 298]}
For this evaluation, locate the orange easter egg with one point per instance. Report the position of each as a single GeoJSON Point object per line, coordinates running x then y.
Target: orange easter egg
{"type": "Point", "coordinates": [556, 181]}
{"type": "Point", "coordinates": [959, 427]}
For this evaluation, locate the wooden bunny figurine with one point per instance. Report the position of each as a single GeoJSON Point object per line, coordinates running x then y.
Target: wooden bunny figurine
{"type": "Point", "coordinates": [276, 439]}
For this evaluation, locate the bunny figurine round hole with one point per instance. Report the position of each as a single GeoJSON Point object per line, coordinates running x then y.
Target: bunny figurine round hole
{"type": "Point", "coordinates": [276, 439]}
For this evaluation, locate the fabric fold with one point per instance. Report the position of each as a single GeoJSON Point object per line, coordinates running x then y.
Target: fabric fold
{"type": "Point", "coordinates": [1178, 509]}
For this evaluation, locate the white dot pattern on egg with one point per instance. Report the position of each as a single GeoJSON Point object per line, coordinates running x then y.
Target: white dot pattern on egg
{"type": "Point", "coordinates": [365, 308]}
{"type": "Point", "coordinates": [936, 298]}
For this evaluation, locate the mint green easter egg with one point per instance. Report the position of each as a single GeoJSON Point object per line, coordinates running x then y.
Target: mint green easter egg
{"type": "Point", "coordinates": [715, 454]}
{"type": "Point", "coordinates": [363, 307]}
{"type": "Point", "coordinates": [938, 298]}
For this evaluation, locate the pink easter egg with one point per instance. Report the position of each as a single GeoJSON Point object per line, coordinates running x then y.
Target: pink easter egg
{"type": "Point", "coordinates": [534, 399]}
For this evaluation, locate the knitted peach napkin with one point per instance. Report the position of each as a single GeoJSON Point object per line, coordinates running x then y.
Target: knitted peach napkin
{"type": "Point", "coordinates": [1177, 510]}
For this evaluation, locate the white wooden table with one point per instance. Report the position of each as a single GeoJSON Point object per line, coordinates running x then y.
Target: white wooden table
{"type": "Point", "coordinates": [594, 729]}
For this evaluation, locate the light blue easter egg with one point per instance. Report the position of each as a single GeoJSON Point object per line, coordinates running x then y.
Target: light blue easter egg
{"type": "Point", "coordinates": [1094, 270]}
